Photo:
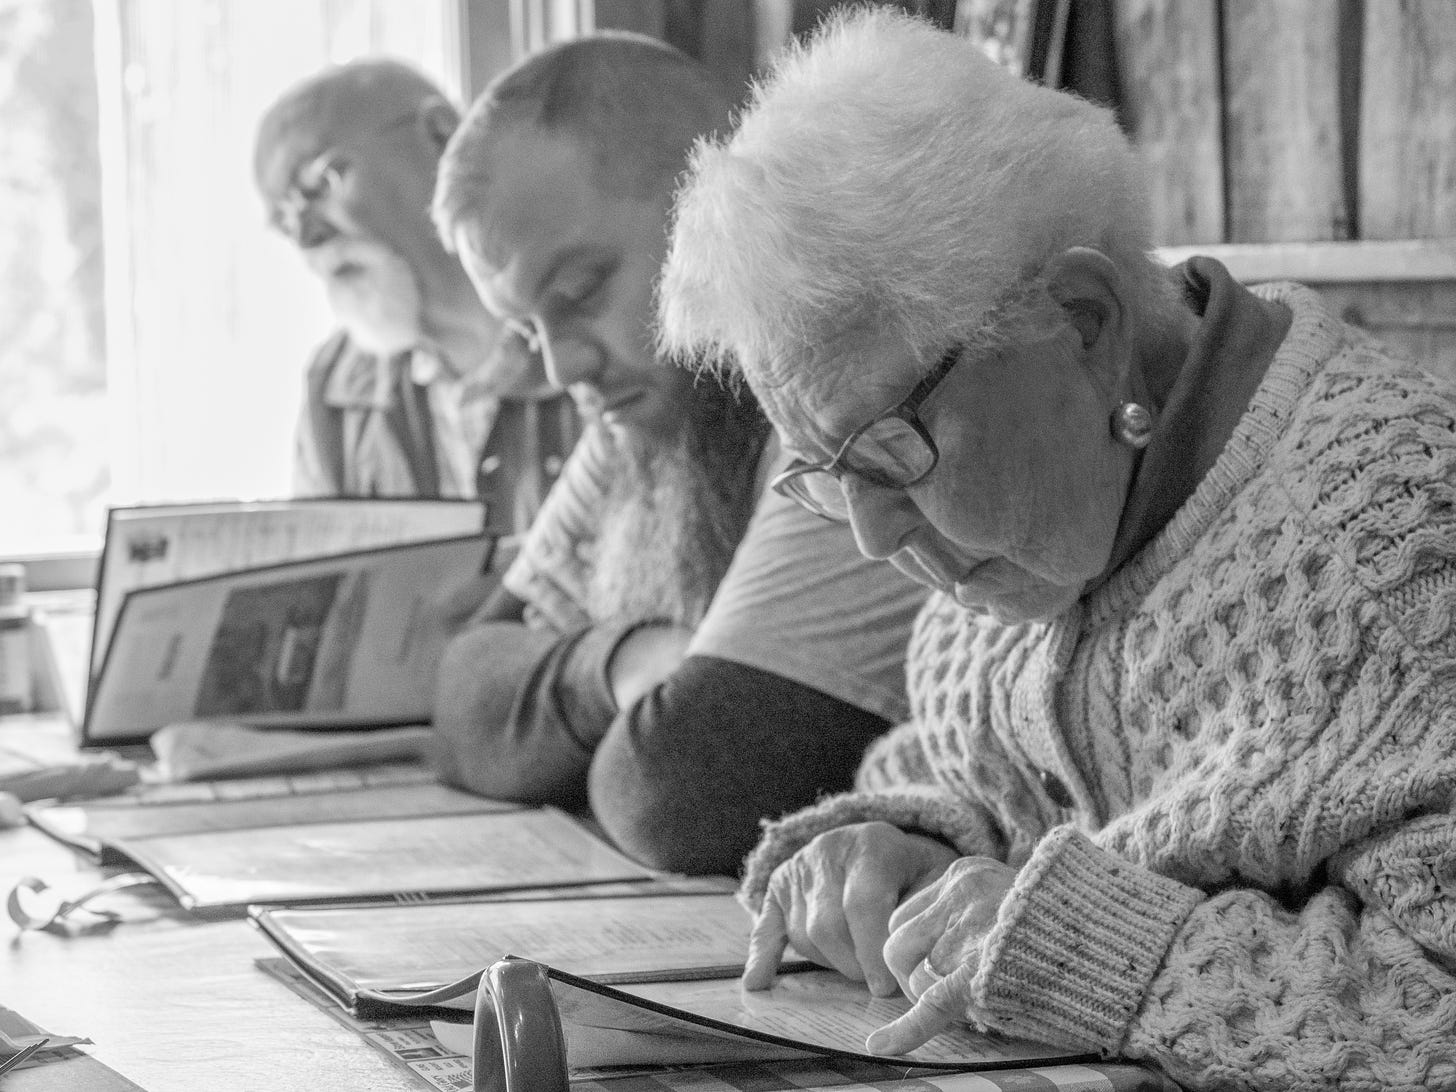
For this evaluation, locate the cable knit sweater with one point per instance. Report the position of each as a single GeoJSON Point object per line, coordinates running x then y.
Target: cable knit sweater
{"type": "Point", "coordinates": [1253, 729]}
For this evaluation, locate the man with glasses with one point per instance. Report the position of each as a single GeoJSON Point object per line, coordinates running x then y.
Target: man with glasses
{"type": "Point", "coordinates": [420, 392]}
{"type": "Point", "coordinates": [690, 651]}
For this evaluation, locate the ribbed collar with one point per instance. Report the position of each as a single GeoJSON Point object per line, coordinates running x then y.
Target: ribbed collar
{"type": "Point", "coordinates": [1313, 337]}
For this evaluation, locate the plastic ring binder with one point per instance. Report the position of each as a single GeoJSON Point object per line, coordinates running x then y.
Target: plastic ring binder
{"type": "Point", "coordinates": [519, 1046]}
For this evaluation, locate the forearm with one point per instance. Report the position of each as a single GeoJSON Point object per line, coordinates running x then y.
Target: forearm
{"type": "Point", "coordinates": [1233, 990]}
{"type": "Point", "coordinates": [519, 711]}
{"type": "Point", "coordinates": [686, 773]}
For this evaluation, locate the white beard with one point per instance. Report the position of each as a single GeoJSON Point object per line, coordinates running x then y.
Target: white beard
{"type": "Point", "coordinates": [373, 292]}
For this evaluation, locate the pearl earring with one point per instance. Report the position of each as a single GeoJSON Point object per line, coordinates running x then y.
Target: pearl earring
{"type": "Point", "coordinates": [1132, 424]}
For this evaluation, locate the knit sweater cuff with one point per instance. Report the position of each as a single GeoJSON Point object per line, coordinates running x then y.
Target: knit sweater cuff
{"type": "Point", "coordinates": [1078, 940]}
{"type": "Point", "coordinates": [922, 811]}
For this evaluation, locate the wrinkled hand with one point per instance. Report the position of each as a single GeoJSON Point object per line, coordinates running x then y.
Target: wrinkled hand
{"type": "Point", "coordinates": [934, 949]}
{"type": "Point", "coordinates": [833, 901]}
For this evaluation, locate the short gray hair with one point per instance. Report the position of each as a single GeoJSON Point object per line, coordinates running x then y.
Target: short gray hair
{"type": "Point", "coordinates": [889, 176]}
{"type": "Point", "coordinates": [348, 96]}
{"type": "Point", "coordinates": [634, 105]}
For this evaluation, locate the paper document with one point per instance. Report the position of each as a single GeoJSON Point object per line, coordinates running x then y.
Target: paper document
{"type": "Point", "coordinates": [406, 857]}
{"type": "Point", "coordinates": [347, 640]}
{"type": "Point", "coordinates": [149, 545]}
{"type": "Point", "coordinates": [822, 1010]}
{"type": "Point", "coordinates": [818, 1012]}
{"type": "Point", "coordinates": [370, 792]}
{"type": "Point", "coordinates": [371, 957]}
{"type": "Point", "coordinates": [443, 1062]}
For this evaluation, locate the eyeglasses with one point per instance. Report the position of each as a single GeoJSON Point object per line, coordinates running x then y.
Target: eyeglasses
{"type": "Point", "coordinates": [317, 180]}
{"type": "Point", "coordinates": [893, 450]}
{"type": "Point", "coordinates": [321, 179]}
{"type": "Point", "coordinates": [527, 331]}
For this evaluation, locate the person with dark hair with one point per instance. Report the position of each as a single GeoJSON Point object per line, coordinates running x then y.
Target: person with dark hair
{"type": "Point", "coordinates": [420, 392]}
{"type": "Point", "coordinates": [1179, 784]}
{"type": "Point", "coordinates": [682, 647]}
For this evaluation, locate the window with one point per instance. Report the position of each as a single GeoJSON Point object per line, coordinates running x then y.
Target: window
{"type": "Point", "coordinates": [52, 322]}
{"type": "Point", "coordinates": [152, 333]}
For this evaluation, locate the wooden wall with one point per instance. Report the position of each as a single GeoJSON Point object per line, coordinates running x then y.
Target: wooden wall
{"type": "Point", "coordinates": [736, 37]}
{"type": "Point", "coordinates": [1304, 139]}
{"type": "Point", "coordinates": [1407, 143]}
{"type": "Point", "coordinates": [1317, 138]}
{"type": "Point", "coordinates": [1300, 120]}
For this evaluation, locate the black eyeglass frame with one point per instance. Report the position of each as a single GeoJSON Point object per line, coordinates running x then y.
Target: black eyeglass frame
{"type": "Point", "coordinates": [319, 177]}
{"type": "Point", "coordinates": [789, 482]}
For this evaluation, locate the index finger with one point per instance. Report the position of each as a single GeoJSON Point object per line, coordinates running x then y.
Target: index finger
{"type": "Point", "coordinates": [933, 1013]}
{"type": "Point", "coordinates": [766, 944]}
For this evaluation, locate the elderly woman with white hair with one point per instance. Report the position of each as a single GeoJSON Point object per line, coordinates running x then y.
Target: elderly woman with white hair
{"type": "Point", "coordinates": [1178, 785]}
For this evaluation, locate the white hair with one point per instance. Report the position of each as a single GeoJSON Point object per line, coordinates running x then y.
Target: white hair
{"type": "Point", "coordinates": [889, 176]}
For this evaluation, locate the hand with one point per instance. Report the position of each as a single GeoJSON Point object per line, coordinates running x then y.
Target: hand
{"type": "Point", "coordinates": [833, 901]}
{"type": "Point", "coordinates": [644, 658]}
{"type": "Point", "coordinates": [934, 949]}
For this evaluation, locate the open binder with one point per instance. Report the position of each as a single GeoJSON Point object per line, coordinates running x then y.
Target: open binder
{"type": "Point", "coordinates": [344, 641]}
{"type": "Point", "coordinates": [375, 960]}
{"type": "Point", "coordinates": [148, 545]}
{"type": "Point", "coordinates": [634, 979]}
{"type": "Point", "coordinates": [411, 858]}
{"type": "Point", "coordinates": [645, 979]}
{"type": "Point", "coordinates": [102, 827]}
{"type": "Point", "coordinates": [410, 841]}
{"type": "Point", "coordinates": [534, 1022]}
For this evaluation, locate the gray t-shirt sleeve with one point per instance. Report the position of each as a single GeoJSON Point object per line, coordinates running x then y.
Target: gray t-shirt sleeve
{"type": "Point", "coordinates": [802, 602]}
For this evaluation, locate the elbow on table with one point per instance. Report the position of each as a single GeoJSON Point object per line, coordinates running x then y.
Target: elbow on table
{"type": "Point", "coordinates": [484, 744]}
{"type": "Point", "coordinates": [473, 757]}
{"type": "Point", "coordinates": [465, 756]}
{"type": "Point", "coordinates": [667, 816]}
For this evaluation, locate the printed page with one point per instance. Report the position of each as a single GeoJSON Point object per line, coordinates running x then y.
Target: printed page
{"type": "Point", "coordinates": [150, 545]}
{"type": "Point", "coordinates": [425, 855]}
{"type": "Point", "coordinates": [440, 1055]}
{"type": "Point", "coordinates": [347, 640]}
{"type": "Point", "coordinates": [362, 793]}
{"type": "Point", "coordinates": [819, 1009]}
{"type": "Point", "coordinates": [632, 936]}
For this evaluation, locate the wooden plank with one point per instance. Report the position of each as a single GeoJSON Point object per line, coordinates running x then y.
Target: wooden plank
{"type": "Point", "coordinates": [728, 39]}
{"type": "Point", "coordinates": [1415, 321]}
{"type": "Point", "coordinates": [1168, 57]}
{"type": "Point", "coordinates": [773, 22]}
{"type": "Point", "coordinates": [1408, 120]}
{"type": "Point", "coordinates": [485, 44]}
{"type": "Point", "coordinates": [1413, 305]}
{"type": "Point", "coordinates": [1403, 292]}
{"type": "Point", "coordinates": [642, 16]}
{"type": "Point", "coordinates": [1282, 89]}
{"type": "Point", "coordinates": [1331, 263]}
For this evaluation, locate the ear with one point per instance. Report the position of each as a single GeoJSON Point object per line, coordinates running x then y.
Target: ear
{"type": "Point", "coordinates": [440, 120]}
{"type": "Point", "coordinates": [1086, 283]}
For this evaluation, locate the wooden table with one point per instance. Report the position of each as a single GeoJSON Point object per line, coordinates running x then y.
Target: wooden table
{"type": "Point", "coordinates": [171, 1002]}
